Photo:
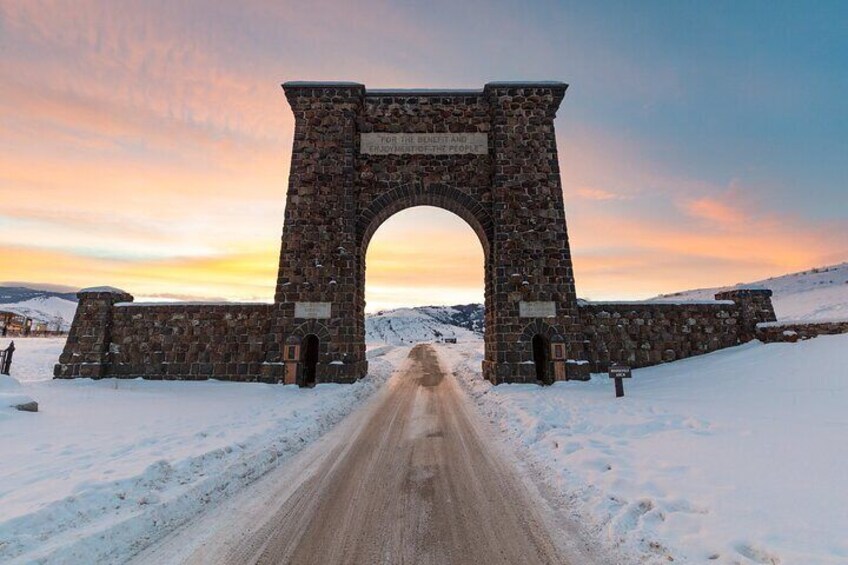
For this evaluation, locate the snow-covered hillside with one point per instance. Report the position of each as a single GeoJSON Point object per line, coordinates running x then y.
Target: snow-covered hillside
{"type": "Point", "coordinates": [57, 313]}
{"type": "Point", "coordinates": [814, 295]}
{"type": "Point", "coordinates": [53, 308]}
{"type": "Point", "coordinates": [415, 325]}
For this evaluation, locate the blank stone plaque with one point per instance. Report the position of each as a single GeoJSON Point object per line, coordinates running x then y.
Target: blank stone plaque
{"type": "Point", "coordinates": [312, 310]}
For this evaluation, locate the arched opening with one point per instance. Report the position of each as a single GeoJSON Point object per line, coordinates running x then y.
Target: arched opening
{"type": "Point", "coordinates": [310, 359]}
{"type": "Point", "coordinates": [418, 256]}
{"type": "Point", "coordinates": [540, 358]}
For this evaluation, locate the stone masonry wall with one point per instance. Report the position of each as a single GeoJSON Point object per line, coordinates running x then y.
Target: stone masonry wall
{"type": "Point", "coordinates": [86, 352]}
{"type": "Point", "coordinates": [113, 337]}
{"type": "Point", "coordinates": [769, 332]}
{"type": "Point", "coordinates": [643, 334]}
{"type": "Point", "coordinates": [640, 335]}
{"type": "Point", "coordinates": [199, 341]}
{"type": "Point", "coordinates": [532, 256]}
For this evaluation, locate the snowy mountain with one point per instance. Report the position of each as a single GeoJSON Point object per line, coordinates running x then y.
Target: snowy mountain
{"type": "Point", "coordinates": [468, 316]}
{"type": "Point", "coordinates": [814, 295]}
{"type": "Point", "coordinates": [427, 323]}
{"type": "Point", "coordinates": [40, 305]}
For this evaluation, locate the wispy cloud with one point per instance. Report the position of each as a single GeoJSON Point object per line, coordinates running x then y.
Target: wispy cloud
{"type": "Point", "coordinates": [146, 145]}
{"type": "Point", "coordinates": [591, 193]}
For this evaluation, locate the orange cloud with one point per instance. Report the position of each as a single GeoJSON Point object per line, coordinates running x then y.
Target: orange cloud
{"type": "Point", "coordinates": [590, 193]}
{"type": "Point", "coordinates": [636, 257]}
{"type": "Point", "coordinates": [146, 153]}
{"type": "Point", "coordinates": [244, 275]}
{"type": "Point", "coordinates": [716, 211]}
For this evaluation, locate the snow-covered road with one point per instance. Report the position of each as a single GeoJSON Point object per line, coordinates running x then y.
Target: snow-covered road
{"type": "Point", "coordinates": [413, 478]}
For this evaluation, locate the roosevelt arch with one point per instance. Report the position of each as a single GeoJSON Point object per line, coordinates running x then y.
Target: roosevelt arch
{"type": "Point", "coordinates": [487, 155]}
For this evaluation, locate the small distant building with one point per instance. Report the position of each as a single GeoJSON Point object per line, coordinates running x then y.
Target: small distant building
{"type": "Point", "coordinates": [14, 324]}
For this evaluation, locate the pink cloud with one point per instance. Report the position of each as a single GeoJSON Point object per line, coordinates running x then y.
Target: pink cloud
{"type": "Point", "coordinates": [590, 193]}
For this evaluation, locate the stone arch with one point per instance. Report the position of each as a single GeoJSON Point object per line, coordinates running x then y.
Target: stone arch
{"type": "Point", "coordinates": [300, 335]}
{"type": "Point", "coordinates": [316, 328]}
{"type": "Point", "coordinates": [312, 327]}
{"type": "Point", "coordinates": [416, 194]}
{"type": "Point", "coordinates": [550, 335]}
{"type": "Point", "coordinates": [440, 196]}
{"type": "Point", "coordinates": [542, 328]}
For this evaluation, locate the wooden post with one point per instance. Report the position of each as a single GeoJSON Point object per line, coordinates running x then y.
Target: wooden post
{"type": "Point", "coordinates": [6, 365]}
{"type": "Point", "coordinates": [292, 361]}
{"type": "Point", "coordinates": [558, 357]}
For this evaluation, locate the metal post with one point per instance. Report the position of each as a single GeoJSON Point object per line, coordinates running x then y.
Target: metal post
{"type": "Point", "coordinates": [619, 388]}
{"type": "Point", "coordinates": [619, 373]}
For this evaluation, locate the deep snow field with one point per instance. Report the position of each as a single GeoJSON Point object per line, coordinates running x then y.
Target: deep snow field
{"type": "Point", "coordinates": [735, 457]}
{"type": "Point", "coordinates": [108, 464]}
{"type": "Point", "coordinates": [738, 456]}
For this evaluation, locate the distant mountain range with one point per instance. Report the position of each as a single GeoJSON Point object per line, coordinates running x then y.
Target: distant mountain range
{"type": "Point", "coordinates": [15, 294]}
{"type": "Point", "coordinates": [816, 294]}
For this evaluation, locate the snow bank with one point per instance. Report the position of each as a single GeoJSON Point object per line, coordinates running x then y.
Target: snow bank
{"type": "Point", "coordinates": [109, 466]}
{"type": "Point", "coordinates": [737, 456]}
{"type": "Point", "coordinates": [11, 395]}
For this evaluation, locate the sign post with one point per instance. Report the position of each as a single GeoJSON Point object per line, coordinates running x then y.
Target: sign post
{"type": "Point", "coordinates": [619, 373]}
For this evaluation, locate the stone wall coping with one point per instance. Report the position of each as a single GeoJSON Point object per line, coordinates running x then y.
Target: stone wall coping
{"type": "Point", "coordinates": [322, 84]}
{"type": "Point", "coordinates": [549, 84]}
{"type": "Point", "coordinates": [198, 303]}
{"type": "Point", "coordinates": [745, 290]}
{"type": "Point", "coordinates": [101, 290]}
{"type": "Point", "coordinates": [554, 84]}
{"type": "Point", "coordinates": [586, 303]}
{"type": "Point", "coordinates": [782, 323]}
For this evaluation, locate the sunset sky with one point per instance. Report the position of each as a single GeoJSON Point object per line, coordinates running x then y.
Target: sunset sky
{"type": "Point", "coordinates": [146, 144]}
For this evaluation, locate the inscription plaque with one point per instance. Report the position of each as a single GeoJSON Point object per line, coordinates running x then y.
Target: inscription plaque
{"type": "Point", "coordinates": [423, 143]}
{"type": "Point", "coordinates": [312, 310]}
{"type": "Point", "coordinates": [537, 309]}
